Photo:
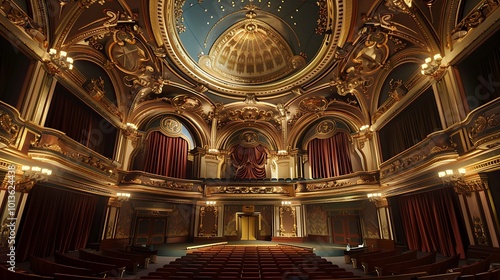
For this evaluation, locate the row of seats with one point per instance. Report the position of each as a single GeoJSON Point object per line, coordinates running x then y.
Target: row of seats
{"type": "Point", "coordinates": [250, 263]}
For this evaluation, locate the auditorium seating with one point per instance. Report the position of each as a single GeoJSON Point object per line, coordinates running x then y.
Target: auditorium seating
{"type": "Point", "coordinates": [46, 267]}
{"type": "Point", "coordinates": [370, 264]}
{"type": "Point", "coordinates": [141, 259]}
{"type": "Point", "coordinates": [359, 259]}
{"type": "Point", "coordinates": [395, 268]}
{"type": "Point", "coordinates": [6, 274]}
{"type": "Point", "coordinates": [250, 262]}
{"type": "Point", "coordinates": [439, 267]}
{"type": "Point", "coordinates": [442, 276]}
{"type": "Point", "coordinates": [98, 268]}
{"type": "Point", "coordinates": [130, 265]}
{"type": "Point", "coordinates": [476, 267]}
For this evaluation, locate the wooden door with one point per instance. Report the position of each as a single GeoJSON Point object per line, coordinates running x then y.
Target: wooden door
{"type": "Point", "coordinates": [150, 231]}
{"type": "Point", "coordinates": [346, 229]}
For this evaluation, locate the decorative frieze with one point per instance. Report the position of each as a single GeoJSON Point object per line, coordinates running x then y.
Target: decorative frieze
{"type": "Point", "coordinates": [243, 190]}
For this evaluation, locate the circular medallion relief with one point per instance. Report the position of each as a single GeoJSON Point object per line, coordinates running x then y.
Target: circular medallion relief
{"type": "Point", "coordinates": [170, 126]}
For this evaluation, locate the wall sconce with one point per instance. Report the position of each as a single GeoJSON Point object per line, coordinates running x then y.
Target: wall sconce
{"type": "Point", "coordinates": [455, 180]}
{"type": "Point", "coordinates": [374, 197]}
{"type": "Point", "coordinates": [210, 202]}
{"type": "Point", "coordinates": [286, 203]}
{"type": "Point", "coordinates": [433, 67]}
{"type": "Point", "coordinates": [61, 59]}
{"type": "Point", "coordinates": [448, 176]}
{"type": "Point", "coordinates": [282, 152]}
{"type": "Point", "coordinates": [364, 127]}
{"type": "Point", "coordinates": [213, 151]}
{"type": "Point", "coordinates": [123, 196]}
{"type": "Point", "coordinates": [35, 173]}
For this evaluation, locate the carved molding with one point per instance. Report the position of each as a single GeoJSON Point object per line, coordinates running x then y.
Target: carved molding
{"type": "Point", "coordinates": [8, 129]}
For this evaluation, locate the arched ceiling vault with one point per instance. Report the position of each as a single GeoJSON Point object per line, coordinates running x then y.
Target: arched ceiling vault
{"type": "Point", "coordinates": [295, 58]}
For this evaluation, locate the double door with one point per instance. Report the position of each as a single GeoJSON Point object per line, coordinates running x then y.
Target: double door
{"type": "Point", "coordinates": [150, 230]}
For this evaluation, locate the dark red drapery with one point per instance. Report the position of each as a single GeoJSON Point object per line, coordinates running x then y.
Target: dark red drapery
{"type": "Point", "coordinates": [330, 157]}
{"type": "Point", "coordinates": [166, 156]}
{"type": "Point", "coordinates": [249, 162]}
{"type": "Point", "coordinates": [431, 222]}
{"type": "Point", "coordinates": [70, 115]}
{"type": "Point", "coordinates": [54, 220]}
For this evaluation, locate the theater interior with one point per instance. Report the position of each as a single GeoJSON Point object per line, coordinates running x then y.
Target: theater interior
{"type": "Point", "coordinates": [328, 123]}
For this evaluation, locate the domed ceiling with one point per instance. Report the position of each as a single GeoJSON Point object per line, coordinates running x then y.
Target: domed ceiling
{"type": "Point", "coordinates": [266, 48]}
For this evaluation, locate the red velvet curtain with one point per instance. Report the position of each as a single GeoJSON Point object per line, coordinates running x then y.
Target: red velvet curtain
{"type": "Point", "coordinates": [54, 220]}
{"type": "Point", "coordinates": [330, 157]}
{"type": "Point", "coordinates": [410, 126]}
{"type": "Point", "coordinates": [431, 222]}
{"type": "Point", "coordinates": [166, 156]}
{"type": "Point", "coordinates": [70, 115]}
{"type": "Point", "coordinates": [249, 162]}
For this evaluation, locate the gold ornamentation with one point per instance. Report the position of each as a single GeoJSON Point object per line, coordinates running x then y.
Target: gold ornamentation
{"type": "Point", "coordinates": [171, 185]}
{"type": "Point", "coordinates": [479, 232]}
{"type": "Point", "coordinates": [171, 126]}
{"type": "Point", "coordinates": [248, 190]}
{"type": "Point", "coordinates": [186, 103]}
{"type": "Point", "coordinates": [482, 123]}
{"type": "Point", "coordinates": [269, 59]}
{"type": "Point", "coordinates": [398, 89]}
{"type": "Point", "coordinates": [95, 88]}
{"type": "Point", "coordinates": [322, 22]}
{"type": "Point", "coordinates": [292, 214]}
{"type": "Point", "coordinates": [314, 104]}
{"type": "Point", "coordinates": [326, 127]}
{"type": "Point", "coordinates": [9, 130]}
{"type": "Point", "coordinates": [203, 210]}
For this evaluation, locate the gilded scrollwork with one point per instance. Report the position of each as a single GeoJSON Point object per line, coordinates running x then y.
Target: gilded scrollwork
{"type": "Point", "coordinates": [248, 190]}
{"type": "Point", "coordinates": [248, 114]}
{"type": "Point", "coordinates": [171, 185]}
{"type": "Point", "coordinates": [88, 160]}
{"type": "Point", "coordinates": [185, 103]}
{"type": "Point", "coordinates": [314, 104]}
{"type": "Point", "coordinates": [283, 210]}
{"type": "Point", "coordinates": [328, 185]}
{"type": "Point", "coordinates": [479, 232]}
{"type": "Point", "coordinates": [9, 130]}
{"type": "Point", "coordinates": [20, 18]}
{"type": "Point", "coordinates": [482, 123]}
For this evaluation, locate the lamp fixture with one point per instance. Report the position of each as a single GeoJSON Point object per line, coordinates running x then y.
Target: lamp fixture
{"type": "Point", "coordinates": [364, 127]}
{"type": "Point", "coordinates": [286, 203]}
{"type": "Point", "coordinates": [449, 176]}
{"type": "Point", "coordinates": [35, 173]}
{"type": "Point", "coordinates": [282, 152]}
{"type": "Point", "coordinates": [59, 60]}
{"type": "Point", "coordinates": [213, 151]}
{"type": "Point", "coordinates": [456, 180]}
{"type": "Point", "coordinates": [433, 67]}
{"type": "Point", "coordinates": [374, 197]}
{"type": "Point", "coordinates": [123, 196]}
{"type": "Point", "coordinates": [210, 202]}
